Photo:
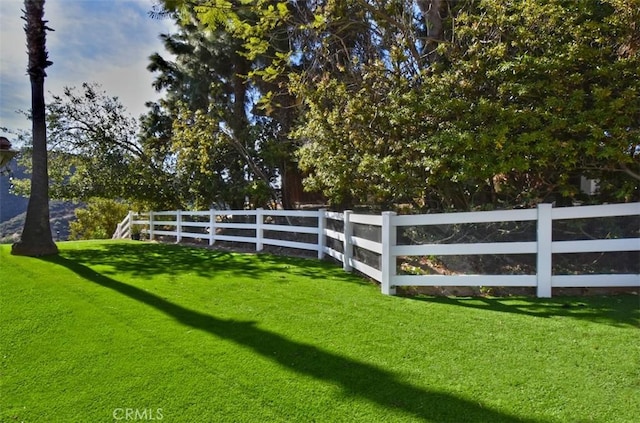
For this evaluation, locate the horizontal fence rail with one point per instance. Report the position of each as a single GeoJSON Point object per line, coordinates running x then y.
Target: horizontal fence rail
{"type": "Point", "coordinates": [348, 237]}
{"type": "Point", "coordinates": [219, 225]}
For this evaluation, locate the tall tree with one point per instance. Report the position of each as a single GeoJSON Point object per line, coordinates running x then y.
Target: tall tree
{"type": "Point", "coordinates": [222, 150]}
{"type": "Point", "coordinates": [36, 237]}
{"type": "Point", "coordinates": [95, 151]}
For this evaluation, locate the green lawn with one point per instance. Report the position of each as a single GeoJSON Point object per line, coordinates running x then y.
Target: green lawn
{"type": "Point", "coordinates": [177, 334]}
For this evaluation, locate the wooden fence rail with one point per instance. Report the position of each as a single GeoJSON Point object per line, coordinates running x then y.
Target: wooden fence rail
{"type": "Point", "coordinates": [335, 235]}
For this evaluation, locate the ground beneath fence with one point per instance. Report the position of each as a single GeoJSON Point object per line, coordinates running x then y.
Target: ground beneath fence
{"type": "Point", "coordinates": [504, 291]}
{"type": "Point", "coordinates": [241, 247]}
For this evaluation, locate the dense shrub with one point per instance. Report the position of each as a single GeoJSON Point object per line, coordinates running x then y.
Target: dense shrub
{"type": "Point", "coordinates": [98, 219]}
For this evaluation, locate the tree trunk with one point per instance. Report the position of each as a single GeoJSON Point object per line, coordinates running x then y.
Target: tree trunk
{"type": "Point", "coordinates": [36, 237]}
{"type": "Point", "coordinates": [432, 10]}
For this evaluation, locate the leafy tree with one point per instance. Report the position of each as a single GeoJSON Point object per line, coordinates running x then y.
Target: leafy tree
{"type": "Point", "coordinates": [533, 94]}
{"type": "Point", "coordinates": [365, 146]}
{"type": "Point", "coordinates": [207, 119]}
{"type": "Point", "coordinates": [98, 220]}
{"type": "Point", "coordinates": [95, 152]}
{"type": "Point", "coordinates": [521, 99]}
{"type": "Point", "coordinates": [445, 104]}
{"type": "Point", "coordinates": [363, 128]}
{"type": "Point", "coordinates": [36, 239]}
{"type": "Point", "coordinates": [242, 50]}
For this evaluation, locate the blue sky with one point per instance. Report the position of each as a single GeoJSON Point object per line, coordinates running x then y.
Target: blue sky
{"type": "Point", "coordinates": [103, 41]}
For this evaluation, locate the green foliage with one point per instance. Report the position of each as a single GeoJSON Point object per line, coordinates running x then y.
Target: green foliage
{"type": "Point", "coordinates": [222, 147]}
{"type": "Point", "coordinates": [439, 104]}
{"type": "Point", "coordinates": [365, 145]}
{"type": "Point", "coordinates": [539, 93]}
{"type": "Point", "coordinates": [206, 165]}
{"type": "Point", "coordinates": [94, 151]}
{"type": "Point", "coordinates": [523, 98]}
{"type": "Point", "coordinates": [98, 219]}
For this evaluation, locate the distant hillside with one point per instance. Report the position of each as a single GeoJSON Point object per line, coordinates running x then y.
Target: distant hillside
{"type": "Point", "coordinates": [61, 213]}
{"type": "Point", "coordinates": [13, 210]}
{"type": "Point", "coordinates": [11, 205]}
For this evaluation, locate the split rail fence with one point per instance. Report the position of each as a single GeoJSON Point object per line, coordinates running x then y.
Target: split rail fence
{"type": "Point", "coordinates": [342, 235]}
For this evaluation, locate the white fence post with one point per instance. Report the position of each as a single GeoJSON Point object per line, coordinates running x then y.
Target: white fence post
{"type": "Point", "coordinates": [212, 226]}
{"type": "Point", "coordinates": [151, 226]}
{"type": "Point", "coordinates": [178, 226]}
{"type": "Point", "coordinates": [259, 230]}
{"type": "Point", "coordinates": [322, 223]}
{"type": "Point", "coordinates": [128, 228]}
{"type": "Point", "coordinates": [544, 269]}
{"type": "Point", "coordinates": [388, 261]}
{"type": "Point", "coordinates": [346, 244]}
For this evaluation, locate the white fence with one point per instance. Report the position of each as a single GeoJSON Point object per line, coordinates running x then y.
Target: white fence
{"type": "Point", "coordinates": [334, 236]}
{"type": "Point", "coordinates": [210, 226]}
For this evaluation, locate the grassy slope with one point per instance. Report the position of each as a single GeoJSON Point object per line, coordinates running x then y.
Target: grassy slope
{"type": "Point", "coordinates": [215, 336]}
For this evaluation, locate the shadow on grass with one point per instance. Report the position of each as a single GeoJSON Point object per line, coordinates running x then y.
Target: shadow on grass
{"type": "Point", "coordinates": [617, 310]}
{"type": "Point", "coordinates": [354, 377]}
{"type": "Point", "coordinates": [145, 259]}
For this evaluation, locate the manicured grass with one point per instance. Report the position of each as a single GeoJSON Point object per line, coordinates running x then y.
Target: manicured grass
{"type": "Point", "coordinates": [210, 336]}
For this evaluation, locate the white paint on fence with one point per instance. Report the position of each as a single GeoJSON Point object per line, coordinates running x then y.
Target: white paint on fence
{"type": "Point", "coordinates": [466, 280]}
{"type": "Point", "coordinates": [205, 225]}
{"type": "Point", "coordinates": [347, 242]}
{"type": "Point", "coordinates": [388, 259]}
{"type": "Point", "coordinates": [545, 238]}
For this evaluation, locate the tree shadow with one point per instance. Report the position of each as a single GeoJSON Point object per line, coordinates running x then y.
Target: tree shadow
{"type": "Point", "coordinates": [354, 377]}
{"type": "Point", "coordinates": [146, 259]}
{"type": "Point", "coordinates": [617, 310]}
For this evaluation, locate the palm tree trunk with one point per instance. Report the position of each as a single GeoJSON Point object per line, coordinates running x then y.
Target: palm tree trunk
{"type": "Point", "coordinates": [36, 237]}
